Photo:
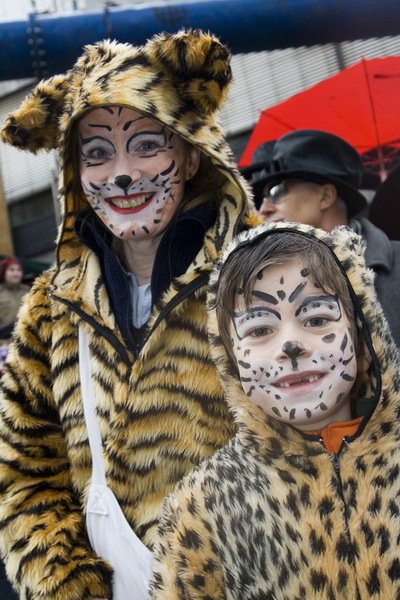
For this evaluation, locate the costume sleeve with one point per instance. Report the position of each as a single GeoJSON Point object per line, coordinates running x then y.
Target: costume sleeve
{"type": "Point", "coordinates": [186, 562]}
{"type": "Point", "coordinates": [42, 535]}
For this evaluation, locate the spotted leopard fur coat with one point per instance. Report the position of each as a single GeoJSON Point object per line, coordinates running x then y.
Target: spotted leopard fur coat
{"type": "Point", "coordinates": [273, 515]}
{"type": "Point", "coordinates": [161, 411]}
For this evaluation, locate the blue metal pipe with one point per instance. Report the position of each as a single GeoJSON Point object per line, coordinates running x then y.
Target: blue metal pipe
{"type": "Point", "coordinates": [50, 43]}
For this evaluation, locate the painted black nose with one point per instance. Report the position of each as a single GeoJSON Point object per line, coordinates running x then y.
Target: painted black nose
{"type": "Point", "coordinates": [123, 181]}
{"type": "Point", "coordinates": [293, 349]}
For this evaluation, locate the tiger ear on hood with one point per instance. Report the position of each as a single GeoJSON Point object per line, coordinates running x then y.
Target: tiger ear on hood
{"type": "Point", "coordinates": [34, 125]}
{"type": "Point", "coordinates": [197, 63]}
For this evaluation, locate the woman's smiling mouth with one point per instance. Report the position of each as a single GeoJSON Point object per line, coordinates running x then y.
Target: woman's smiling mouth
{"type": "Point", "coordinates": [129, 204]}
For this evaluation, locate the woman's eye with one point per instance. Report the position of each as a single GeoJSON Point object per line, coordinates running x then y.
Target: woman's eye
{"type": "Point", "coordinates": [147, 146]}
{"type": "Point", "coordinates": [99, 153]}
{"type": "Point", "coordinates": [96, 153]}
{"type": "Point", "coordinates": [316, 322]}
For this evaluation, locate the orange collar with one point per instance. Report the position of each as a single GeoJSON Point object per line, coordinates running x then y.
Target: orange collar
{"type": "Point", "coordinates": [332, 435]}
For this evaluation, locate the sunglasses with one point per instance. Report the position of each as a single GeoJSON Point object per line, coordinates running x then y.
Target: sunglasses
{"type": "Point", "coordinates": [278, 190]}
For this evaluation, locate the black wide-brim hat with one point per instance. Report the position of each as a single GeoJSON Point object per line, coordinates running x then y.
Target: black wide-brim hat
{"type": "Point", "coordinates": [317, 157]}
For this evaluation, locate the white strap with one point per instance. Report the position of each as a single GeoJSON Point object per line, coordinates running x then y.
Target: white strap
{"type": "Point", "coordinates": [89, 407]}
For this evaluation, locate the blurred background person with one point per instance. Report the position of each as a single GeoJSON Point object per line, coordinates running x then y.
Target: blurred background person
{"type": "Point", "coordinates": [12, 290]}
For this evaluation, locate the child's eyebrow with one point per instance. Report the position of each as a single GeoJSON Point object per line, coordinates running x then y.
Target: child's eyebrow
{"type": "Point", "coordinates": [255, 309]}
{"type": "Point", "coordinates": [318, 300]}
{"type": "Point", "coordinates": [263, 296]}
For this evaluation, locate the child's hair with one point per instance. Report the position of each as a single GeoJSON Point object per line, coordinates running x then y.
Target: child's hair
{"type": "Point", "coordinates": [239, 274]}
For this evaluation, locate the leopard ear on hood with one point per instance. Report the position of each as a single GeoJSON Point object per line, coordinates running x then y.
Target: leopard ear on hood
{"type": "Point", "coordinates": [34, 125]}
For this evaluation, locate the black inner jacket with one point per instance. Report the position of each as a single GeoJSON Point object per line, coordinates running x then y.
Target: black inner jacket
{"type": "Point", "coordinates": [178, 247]}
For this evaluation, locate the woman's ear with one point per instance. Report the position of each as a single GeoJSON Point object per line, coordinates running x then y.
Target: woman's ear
{"type": "Point", "coordinates": [364, 358]}
{"type": "Point", "coordinates": [193, 162]}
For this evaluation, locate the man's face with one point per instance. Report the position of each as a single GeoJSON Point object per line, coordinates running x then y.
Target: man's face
{"type": "Point", "coordinates": [294, 349]}
{"type": "Point", "coordinates": [133, 171]}
{"type": "Point", "coordinates": [292, 200]}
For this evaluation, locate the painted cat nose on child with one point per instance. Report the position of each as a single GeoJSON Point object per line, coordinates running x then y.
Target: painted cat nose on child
{"type": "Point", "coordinates": [292, 349]}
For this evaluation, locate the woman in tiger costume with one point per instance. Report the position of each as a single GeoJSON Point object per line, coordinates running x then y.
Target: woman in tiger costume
{"type": "Point", "coordinates": [110, 395]}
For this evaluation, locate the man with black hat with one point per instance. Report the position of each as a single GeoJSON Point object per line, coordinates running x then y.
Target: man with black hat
{"type": "Point", "coordinates": [314, 177]}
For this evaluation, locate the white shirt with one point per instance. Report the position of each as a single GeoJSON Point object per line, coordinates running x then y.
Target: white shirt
{"type": "Point", "coordinates": [141, 301]}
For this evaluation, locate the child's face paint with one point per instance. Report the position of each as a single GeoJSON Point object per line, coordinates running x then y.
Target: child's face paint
{"type": "Point", "coordinates": [294, 349]}
{"type": "Point", "coordinates": [133, 171]}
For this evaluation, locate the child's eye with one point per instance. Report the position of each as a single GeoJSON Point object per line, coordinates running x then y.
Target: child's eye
{"type": "Point", "coordinates": [260, 331]}
{"type": "Point", "coordinates": [316, 322]}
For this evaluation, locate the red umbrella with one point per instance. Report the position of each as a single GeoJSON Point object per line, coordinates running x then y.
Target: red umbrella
{"type": "Point", "coordinates": [359, 104]}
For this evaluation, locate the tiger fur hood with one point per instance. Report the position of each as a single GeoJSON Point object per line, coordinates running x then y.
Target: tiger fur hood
{"type": "Point", "coordinates": [274, 514]}
{"type": "Point", "coordinates": [180, 80]}
{"type": "Point", "coordinates": [160, 405]}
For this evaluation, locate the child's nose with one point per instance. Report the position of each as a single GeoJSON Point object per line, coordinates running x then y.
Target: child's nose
{"type": "Point", "coordinates": [292, 349]}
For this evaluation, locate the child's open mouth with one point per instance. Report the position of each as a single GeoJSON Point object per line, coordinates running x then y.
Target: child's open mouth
{"type": "Point", "coordinates": [298, 380]}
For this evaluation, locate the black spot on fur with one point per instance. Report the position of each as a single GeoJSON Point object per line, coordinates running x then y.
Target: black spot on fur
{"type": "Point", "coordinates": [318, 580]}
{"type": "Point", "coordinates": [191, 540]}
{"type": "Point", "coordinates": [373, 584]}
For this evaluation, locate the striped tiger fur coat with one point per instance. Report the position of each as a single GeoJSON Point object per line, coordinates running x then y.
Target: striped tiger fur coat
{"type": "Point", "coordinates": [161, 409]}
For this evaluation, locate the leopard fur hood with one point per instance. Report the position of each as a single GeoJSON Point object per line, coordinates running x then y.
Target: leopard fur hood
{"type": "Point", "coordinates": [180, 80]}
{"type": "Point", "coordinates": [382, 380]}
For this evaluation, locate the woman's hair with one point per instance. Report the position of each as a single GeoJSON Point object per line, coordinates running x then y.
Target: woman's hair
{"type": "Point", "coordinates": [7, 262]}
{"type": "Point", "coordinates": [205, 186]}
{"type": "Point", "coordinates": [238, 275]}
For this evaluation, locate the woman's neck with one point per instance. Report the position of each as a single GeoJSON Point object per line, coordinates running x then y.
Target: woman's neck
{"type": "Point", "coordinates": [138, 258]}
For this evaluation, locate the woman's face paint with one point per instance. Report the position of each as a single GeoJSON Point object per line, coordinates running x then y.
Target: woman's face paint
{"type": "Point", "coordinates": [295, 349]}
{"type": "Point", "coordinates": [133, 171]}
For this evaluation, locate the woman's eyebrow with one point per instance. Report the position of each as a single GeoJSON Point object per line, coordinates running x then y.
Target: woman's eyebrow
{"type": "Point", "coordinates": [96, 137]}
{"type": "Point", "coordinates": [146, 132]}
{"type": "Point", "coordinates": [129, 123]}
{"type": "Point", "coordinates": [108, 127]}
{"type": "Point", "coordinates": [318, 300]}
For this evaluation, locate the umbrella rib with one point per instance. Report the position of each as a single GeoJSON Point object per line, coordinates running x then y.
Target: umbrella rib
{"type": "Point", "coordinates": [382, 168]}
